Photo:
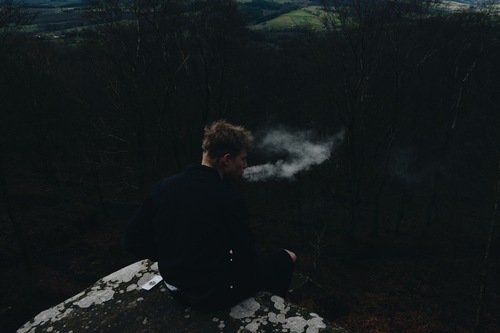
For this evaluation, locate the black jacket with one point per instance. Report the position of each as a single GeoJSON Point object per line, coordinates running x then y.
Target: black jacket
{"type": "Point", "coordinates": [196, 226]}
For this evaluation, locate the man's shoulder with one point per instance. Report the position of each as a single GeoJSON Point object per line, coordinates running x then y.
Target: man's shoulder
{"type": "Point", "coordinates": [194, 174]}
{"type": "Point", "coordinates": [167, 183]}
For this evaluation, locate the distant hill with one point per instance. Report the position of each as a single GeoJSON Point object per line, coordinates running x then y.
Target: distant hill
{"type": "Point", "coordinates": [57, 17]}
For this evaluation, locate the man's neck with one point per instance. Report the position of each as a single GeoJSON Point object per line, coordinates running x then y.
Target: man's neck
{"type": "Point", "coordinates": [205, 161]}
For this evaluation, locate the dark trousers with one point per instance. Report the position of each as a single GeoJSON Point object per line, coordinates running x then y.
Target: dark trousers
{"type": "Point", "coordinates": [271, 272]}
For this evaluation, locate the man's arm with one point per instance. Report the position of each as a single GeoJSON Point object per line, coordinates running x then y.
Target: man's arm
{"type": "Point", "coordinates": [242, 237]}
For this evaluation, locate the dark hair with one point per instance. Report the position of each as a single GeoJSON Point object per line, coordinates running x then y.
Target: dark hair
{"type": "Point", "coordinates": [223, 138]}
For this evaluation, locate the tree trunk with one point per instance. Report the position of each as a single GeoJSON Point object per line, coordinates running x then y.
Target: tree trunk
{"type": "Point", "coordinates": [18, 230]}
{"type": "Point", "coordinates": [484, 271]}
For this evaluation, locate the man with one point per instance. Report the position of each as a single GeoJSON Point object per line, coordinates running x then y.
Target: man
{"type": "Point", "coordinates": [195, 224]}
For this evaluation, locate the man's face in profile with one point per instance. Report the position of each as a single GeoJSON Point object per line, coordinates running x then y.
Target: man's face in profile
{"type": "Point", "coordinates": [236, 165]}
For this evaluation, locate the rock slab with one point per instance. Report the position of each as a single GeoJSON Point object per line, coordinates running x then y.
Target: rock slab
{"type": "Point", "coordinates": [118, 303]}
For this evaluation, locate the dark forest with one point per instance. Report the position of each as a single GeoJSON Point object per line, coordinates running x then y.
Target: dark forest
{"type": "Point", "coordinates": [396, 232]}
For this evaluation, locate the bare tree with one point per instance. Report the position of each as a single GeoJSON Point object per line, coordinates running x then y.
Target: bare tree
{"type": "Point", "coordinates": [485, 267]}
{"type": "Point", "coordinates": [354, 36]}
{"type": "Point", "coordinates": [362, 34]}
{"type": "Point", "coordinates": [12, 19]}
{"type": "Point", "coordinates": [5, 198]}
{"type": "Point", "coordinates": [145, 53]}
{"type": "Point", "coordinates": [405, 57]}
{"type": "Point", "coordinates": [168, 60]}
{"type": "Point", "coordinates": [215, 32]}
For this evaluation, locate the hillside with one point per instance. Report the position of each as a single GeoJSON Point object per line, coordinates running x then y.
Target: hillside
{"type": "Point", "coordinates": [66, 18]}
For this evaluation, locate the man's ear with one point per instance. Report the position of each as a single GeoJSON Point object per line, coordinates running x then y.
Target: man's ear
{"type": "Point", "coordinates": [226, 159]}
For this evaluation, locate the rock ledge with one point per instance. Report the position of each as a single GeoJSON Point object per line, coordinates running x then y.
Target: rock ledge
{"type": "Point", "coordinates": [118, 303]}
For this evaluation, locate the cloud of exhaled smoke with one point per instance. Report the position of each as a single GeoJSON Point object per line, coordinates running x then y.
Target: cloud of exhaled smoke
{"type": "Point", "coordinates": [301, 149]}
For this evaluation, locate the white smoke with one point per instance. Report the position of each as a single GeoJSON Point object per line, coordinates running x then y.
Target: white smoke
{"type": "Point", "coordinates": [301, 149]}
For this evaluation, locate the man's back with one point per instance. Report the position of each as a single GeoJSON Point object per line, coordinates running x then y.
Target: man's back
{"type": "Point", "coordinates": [198, 225]}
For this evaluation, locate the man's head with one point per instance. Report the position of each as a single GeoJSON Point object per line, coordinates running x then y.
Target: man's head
{"type": "Point", "coordinates": [225, 147]}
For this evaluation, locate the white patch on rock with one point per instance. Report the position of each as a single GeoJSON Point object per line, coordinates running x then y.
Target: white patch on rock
{"type": "Point", "coordinates": [126, 274]}
{"type": "Point", "coordinates": [103, 292]}
{"type": "Point", "coordinates": [298, 324]}
{"type": "Point", "coordinates": [64, 314]}
{"type": "Point", "coordinates": [295, 324]}
{"type": "Point", "coordinates": [53, 314]}
{"type": "Point", "coordinates": [279, 303]}
{"type": "Point", "coordinates": [273, 318]}
{"type": "Point", "coordinates": [315, 323]}
{"type": "Point", "coordinates": [245, 309]}
{"type": "Point", "coordinates": [130, 288]}
{"type": "Point", "coordinates": [254, 325]}
{"type": "Point", "coordinates": [292, 324]}
{"type": "Point", "coordinates": [77, 296]}
{"type": "Point", "coordinates": [95, 297]}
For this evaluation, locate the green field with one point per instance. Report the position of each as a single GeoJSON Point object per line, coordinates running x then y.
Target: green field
{"type": "Point", "coordinates": [307, 16]}
{"type": "Point", "coordinates": [291, 1]}
{"type": "Point", "coordinates": [276, 1]}
{"type": "Point", "coordinates": [461, 6]}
